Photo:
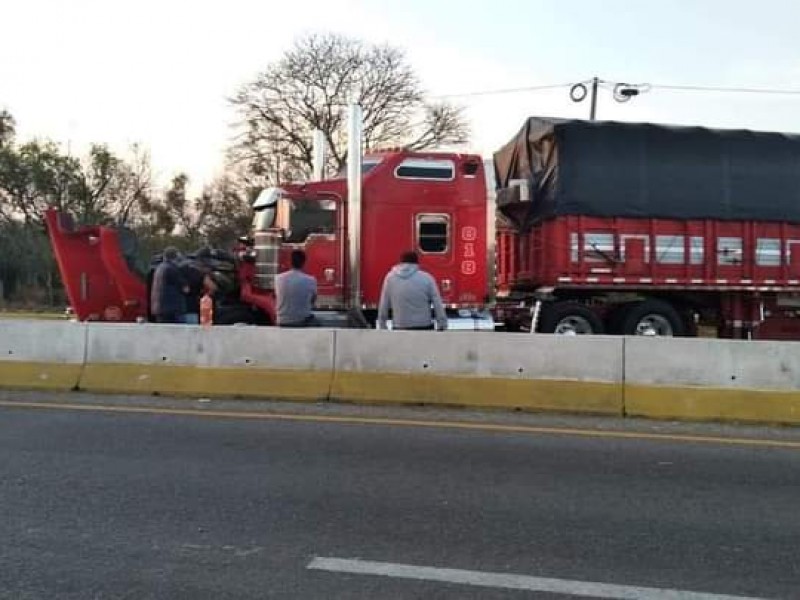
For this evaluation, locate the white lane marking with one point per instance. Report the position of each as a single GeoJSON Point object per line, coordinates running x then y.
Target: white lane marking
{"type": "Point", "coordinates": [587, 589]}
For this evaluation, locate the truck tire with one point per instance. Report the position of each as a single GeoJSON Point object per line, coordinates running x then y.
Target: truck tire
{"type": "Point", "coordinates": [653, 318]}
{"type": "Point", "coordinates": [569, 318]}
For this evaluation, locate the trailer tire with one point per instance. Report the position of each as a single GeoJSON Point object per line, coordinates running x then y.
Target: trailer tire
{"type": "Point", "coordinates": [653, 318]}
{"type": "Point", "coordinates": [569, 318]}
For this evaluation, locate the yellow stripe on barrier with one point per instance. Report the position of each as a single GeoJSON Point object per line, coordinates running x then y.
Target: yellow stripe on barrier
{"type": "Point", "coordinates": [39, 376]}
{"type": "Point", "coordinates": [206, 381]}
{"type": "Point", "coordinates": [531, 394]}
{"type": "Point", "coordinates": [720, 404]}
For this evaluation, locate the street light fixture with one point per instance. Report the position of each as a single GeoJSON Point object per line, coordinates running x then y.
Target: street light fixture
{"type": "Point", "coordinates": [621, 92]}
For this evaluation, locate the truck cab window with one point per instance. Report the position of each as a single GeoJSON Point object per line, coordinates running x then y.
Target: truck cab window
{"type": "Point", "coordinates": [426, 169]}
{"type": "Point", "coordinates": [306, 217]}
{"type": "Point", "coordinates": [433, 233]}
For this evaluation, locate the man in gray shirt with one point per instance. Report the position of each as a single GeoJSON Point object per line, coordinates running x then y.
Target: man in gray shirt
{"type": "Point", "coordinates": [296, 293]}
{"type": "Point", "coordinates": [409, 292]}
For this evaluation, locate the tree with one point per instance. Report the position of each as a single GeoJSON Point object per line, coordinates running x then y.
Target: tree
{"type": "Point", "coordinates": [310, 87]}
{"type": "Point", "coordinates": [96, 182]}
{"type": "Point", "coordinates": [110, 188]}
{"type": "Point", "coordinates": [134, 187]}
{"type": "Point", "coordinates": [7, 128]}
{"type": "Point", "coordinates": [34, 176]}
{"type": "Point", "coordinates": [217, 216]}
{"type": "Point", "coordinates": [174, 213]}
{"type": "Point", "coordinates": [226, 208]}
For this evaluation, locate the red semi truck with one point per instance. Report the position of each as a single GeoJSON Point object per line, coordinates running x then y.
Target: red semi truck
{"type": "Point", "coordinates": [576, 228]}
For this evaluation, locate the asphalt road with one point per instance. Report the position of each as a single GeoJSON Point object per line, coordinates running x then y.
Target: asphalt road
{"type": "Point", "coordinates": [153, 505]}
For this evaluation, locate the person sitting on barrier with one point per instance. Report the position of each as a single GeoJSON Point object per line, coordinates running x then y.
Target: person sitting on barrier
{"type": "Point", "coordinates": [409, 292]}
{"type": "Point", "coordinates": [296, 293]}
{"type": "Point", "coordinates": [167, 296]}
{"type": "Point", "coordinates": [195, 280]}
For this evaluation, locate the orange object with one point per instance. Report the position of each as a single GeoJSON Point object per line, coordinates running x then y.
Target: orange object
{"type": "Point", "coordinates": [206, 310]}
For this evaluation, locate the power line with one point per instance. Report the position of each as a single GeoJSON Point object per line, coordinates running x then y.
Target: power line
{"type": "Point", "coordinates": [533, 88]}
{"type": "Point", "coordinates": [672, 87]}
{"type": "Point", "coordinates": [731, 90]}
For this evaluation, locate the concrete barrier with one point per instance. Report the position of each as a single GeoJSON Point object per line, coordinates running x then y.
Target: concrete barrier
{"type": "Point", "coordinates": [230, 361]}
{"type": "Point", "coordinates": [712, 379]}
{"type": "Point", "coordinates": [649, 377]}
{"type": "Point", "coordinates": [41, 355]}
{"type": "Point", "coordinates": [536, 372]}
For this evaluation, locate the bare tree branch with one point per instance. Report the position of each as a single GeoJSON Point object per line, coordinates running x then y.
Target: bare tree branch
{"type": "Point", "coordinates": [310, 87]}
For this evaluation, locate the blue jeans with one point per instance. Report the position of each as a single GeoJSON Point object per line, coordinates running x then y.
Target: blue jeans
{"type": "Point", "coordinates": [170, 318]}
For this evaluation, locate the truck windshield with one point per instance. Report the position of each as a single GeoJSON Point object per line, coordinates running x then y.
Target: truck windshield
{"type": "Point", "coordinates": [304, 217]}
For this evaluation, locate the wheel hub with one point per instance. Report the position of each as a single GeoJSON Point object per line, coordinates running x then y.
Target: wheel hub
{"type": "Point", "coordinates": [573, 325]}
{"type": "Point", "coordinates": [654, 325]}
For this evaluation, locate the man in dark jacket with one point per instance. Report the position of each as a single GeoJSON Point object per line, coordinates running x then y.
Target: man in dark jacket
{"type": "Point", "coordinates": [167, 296]}
{"type": "Point", "coordinates": [409, 292]}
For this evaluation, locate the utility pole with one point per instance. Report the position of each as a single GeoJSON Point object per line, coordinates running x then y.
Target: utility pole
{"type": "Point", "coordinates": [622, 92]}
{"type": "Point", "coordinates": [593, 109]}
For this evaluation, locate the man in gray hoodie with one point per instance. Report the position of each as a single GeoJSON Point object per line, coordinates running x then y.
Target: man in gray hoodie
{"type": "Point", "coordinates": [409, 292]}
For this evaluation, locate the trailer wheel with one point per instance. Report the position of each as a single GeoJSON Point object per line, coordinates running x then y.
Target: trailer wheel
{"type": "Point", "coordinates": [569, 318]}
{"type": "Point", "coordinates": [653, 318]}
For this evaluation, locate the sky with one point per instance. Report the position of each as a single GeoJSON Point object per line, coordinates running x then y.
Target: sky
{"type": "Point", "coordinates": [159, 72]}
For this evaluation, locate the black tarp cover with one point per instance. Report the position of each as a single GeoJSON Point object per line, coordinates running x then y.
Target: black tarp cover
{"type": "Point", "coordinates": [611, 169]}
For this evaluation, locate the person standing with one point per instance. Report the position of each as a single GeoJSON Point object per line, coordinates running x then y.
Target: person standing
{"type": "Point", "coordinates": [167, 296]}
{"type": "Point", "coordinates": [296, 293]}
{"type": "Point", "coordinates": [409, 292]}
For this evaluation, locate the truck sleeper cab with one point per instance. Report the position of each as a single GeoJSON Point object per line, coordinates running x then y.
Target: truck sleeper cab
{"type": "Point", "coordinates": [432, 203]}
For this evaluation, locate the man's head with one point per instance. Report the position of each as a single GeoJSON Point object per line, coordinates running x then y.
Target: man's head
{"type": "Point", "coordinates": [170, 253]}
{"type": "Point", "coordinates": [298, 259]}
{"type": "Point", "coordinates": [409, 257]}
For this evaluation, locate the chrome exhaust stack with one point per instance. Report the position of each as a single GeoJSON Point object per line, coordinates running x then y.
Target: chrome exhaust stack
{"type": "Point", "coordinates": [354, 204]}
{"type": "Point", "coordinates": [266, 239]}
{"type": "Point", "coordinates": [318, 155]}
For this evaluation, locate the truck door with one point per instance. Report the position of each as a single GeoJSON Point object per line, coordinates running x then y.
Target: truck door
{"type": "Point", "coordinates": [314, 225]}
{"type": "Point", "coordinates": [452, 247]}
{"type": "Point", "coordinates": [433, 239]}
